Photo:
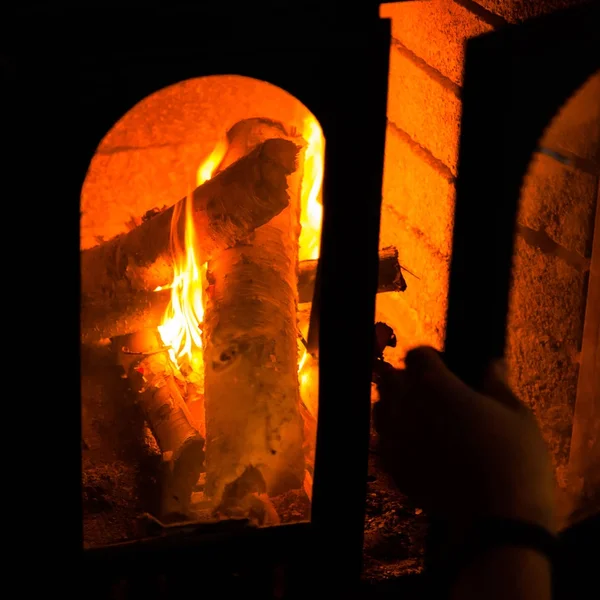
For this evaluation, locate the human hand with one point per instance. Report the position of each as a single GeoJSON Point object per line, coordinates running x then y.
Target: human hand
{"type": "Point", "coordinates": [462, 454]}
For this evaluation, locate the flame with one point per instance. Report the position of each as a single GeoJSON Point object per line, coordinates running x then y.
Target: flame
{"type": "Point", "coordinates": [302, 361]}
{"type": "Point", "coordinates": [181, 324]}
{"type": "Point", "coordinates": [208, 167]}
{"type": "Point", "coordinates": [311, 213]}
{"type": "Point", "coordinates": [311, 216]}
{"type": "Point", "coordinates": [181, 327]}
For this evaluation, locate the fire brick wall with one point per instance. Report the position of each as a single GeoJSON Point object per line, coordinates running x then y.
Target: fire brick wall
{"type": "Point", "coordinates": [150, 156]}
{"type": "Point", "coordinates": [553, 248]}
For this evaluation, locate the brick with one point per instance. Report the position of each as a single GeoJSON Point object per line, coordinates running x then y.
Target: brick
{"type": "Point", "coordinates": [576, 127]}
{"type": "Point", "coordinates": [418, 193]}
{"type": "Point", "coordinates": [560, 201]}
{"type": "Point", "coordinates": [547, 295]}
{"type": "Point", "coordinates": [150, 156]}
{"type": "Point", "coordinates": [422, 307]}
{"type": "Point", "coordinates": [424, 109]}
{"type": "Point", "coordinates": [436, 32]}
{"type": "Point", "coordinates": [546, 380]}
{"type": "Point", "coordinates": [201, 110]}
{"type": "Point", "coordinates": [544, 330]}
{"type": "Point", "coordinates": [124, 185]}
{"type": "Point", "coordinates": [520, 10]}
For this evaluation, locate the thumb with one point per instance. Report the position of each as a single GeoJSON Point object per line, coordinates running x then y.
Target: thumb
{"type": "Point", "coordinates": [495, 385]}
{"type": "Point", "coordinates": [423, 358]}
{"type": "Point", "coordinates": [427, 368]}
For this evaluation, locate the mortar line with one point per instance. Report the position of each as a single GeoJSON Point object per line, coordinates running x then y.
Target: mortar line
{"type": "Point", "coordinates": [423, 153]}
{"type": "Point", "coordinates": [433, 73]}
{"type": "Point", "coordinates": [418, 233]}
{"type": "Point", "coordinates": [109, 150]}
{"type": "Point", "coordinates": [569, 159]}
{"type": "Point", "coordinates": [546, 245]}
{"type": "Point", "coordinates": [487, 16]}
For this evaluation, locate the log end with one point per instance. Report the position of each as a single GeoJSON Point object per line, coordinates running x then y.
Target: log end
{"type": "Point", "coordinates": [244, 196]}
{"type": "Point", "coordinates": [390, 271]}
{"type": "Point", "coordinates": [283, 153]}
{"type": "Point", "coordinates": [278, 158]}
{"type": "Point", "coordinates": [182, 474]}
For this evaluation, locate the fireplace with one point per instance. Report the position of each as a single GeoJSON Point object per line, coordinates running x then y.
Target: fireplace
{"type": "Point", "coordinates": [166, 117]}
{"type": "Point", "coordinates": [158, 453]}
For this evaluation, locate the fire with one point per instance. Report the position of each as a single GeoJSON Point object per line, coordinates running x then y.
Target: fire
{"type": "Point", "coordinates": [311, 213]}
{"type": "Point", "coordinates": [209, 166]}
{"type": "Point", "coordinates": [181, 325]}
{"type": "Point", "coordinates": [311, 216]}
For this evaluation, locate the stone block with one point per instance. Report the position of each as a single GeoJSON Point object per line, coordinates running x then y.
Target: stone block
{"type": "Point", "coordinates": [428, 112]}
{"type": "Point", "coordinates": [200, 111]}
{"type": "Point", "coordinates": [418, 315]}
{"type": "Point", "coordinates": [576, 127]}
{"type": "Point", "coordinates": [561, 201]}
{"type": "Point", "coordinates": [122, 186]}
{"type": "Point", "coordinates": [520, 10]}
{"type": "Point", "coordinates": [544, 331]}
{"type": "Point", "coordinates": [436, 32]}
{"type": "Point", "coordinates": [417, 192]}
{"type": "Point", "coordinates": [150, 156]}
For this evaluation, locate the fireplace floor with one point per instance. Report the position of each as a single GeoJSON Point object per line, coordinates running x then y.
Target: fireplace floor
{"type": "Point", "coordinates": [394, 530]}
{"type": "Point", "coordinates": [121, 462]}
{"type": "Point", "coordinates": [120, 459]}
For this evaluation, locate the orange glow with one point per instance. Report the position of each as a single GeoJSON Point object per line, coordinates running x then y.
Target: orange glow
{"type": "Point", "coordinates": [311, 217]}
{"type": "Point", "coordinates": [311, 213]}
{"type": "Point", "coordinates": [181, 325]}
{"type": "Point", "coordinates": [308, 377]}
{"type": "Point", "coordinates": [302, 361]}
{"type": "Point", "coordinates": [209, 166]}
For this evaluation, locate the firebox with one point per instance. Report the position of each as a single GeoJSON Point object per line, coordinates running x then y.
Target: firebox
{"type": "Point", "coordinates": [206, 287]}
{"type": "Point", "coordinates": [258, 187]}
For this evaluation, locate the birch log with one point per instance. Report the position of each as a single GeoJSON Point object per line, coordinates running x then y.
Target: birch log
{"type": "Point", "coordinates": [225, 210]}
{"type": "Point", "coordinates": [146, 309]}
{"type": "Point", "coordinates": [150, 374]}
{"type": "Point", "coordinates": [254, 430]}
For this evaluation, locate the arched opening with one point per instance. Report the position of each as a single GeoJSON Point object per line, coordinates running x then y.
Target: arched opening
{"type": "Point", "coordinates": [550, 353]}
{"type": "Point", "coordinates": [200, 232]}
{"type": "Point", "coordinates": [418, 204]}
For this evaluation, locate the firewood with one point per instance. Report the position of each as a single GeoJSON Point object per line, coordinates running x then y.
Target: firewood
{"type": "Point", "coordinates": [390, 275]}
{"type": "Point", "coordinates": [253, 424]}
{"type": "Point", "coordinates": [137, 310]}
{"type": "Point", "coordinates": [225, 210]}
{"type": "Point", "coordinates": [310, 436]}
{"type": "Point", "coordinates": [131, 312]}
{"type": "Point", "coordinates": [150, 374]}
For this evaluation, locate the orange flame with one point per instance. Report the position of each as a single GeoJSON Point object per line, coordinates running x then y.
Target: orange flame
{"type": "Point", "coordinates": [311, 217]}
{"type": "Point", "coordinates": [311, 213]}
{"type": "Point", "coordinates": [181, 325]}
{"type": "Point", "coordinates": [209, 166]}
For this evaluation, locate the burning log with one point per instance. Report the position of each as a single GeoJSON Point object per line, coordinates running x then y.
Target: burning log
{"type": "Point", "coordinates": [253, 424]}
{"type": "Point", "coordinates": [226, 209]}
{"type": "Point", "coordinates": [390, 275]}
{"type": "Point", "coordinates": [132, 312]}
{"type": "Point", "coordinates": [145, 309]}
{"type": "Point", "coordinates": [150, 374]}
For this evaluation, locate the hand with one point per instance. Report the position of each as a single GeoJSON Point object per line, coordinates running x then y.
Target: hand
{"type": "Point", "coordinates": [460, 453]}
